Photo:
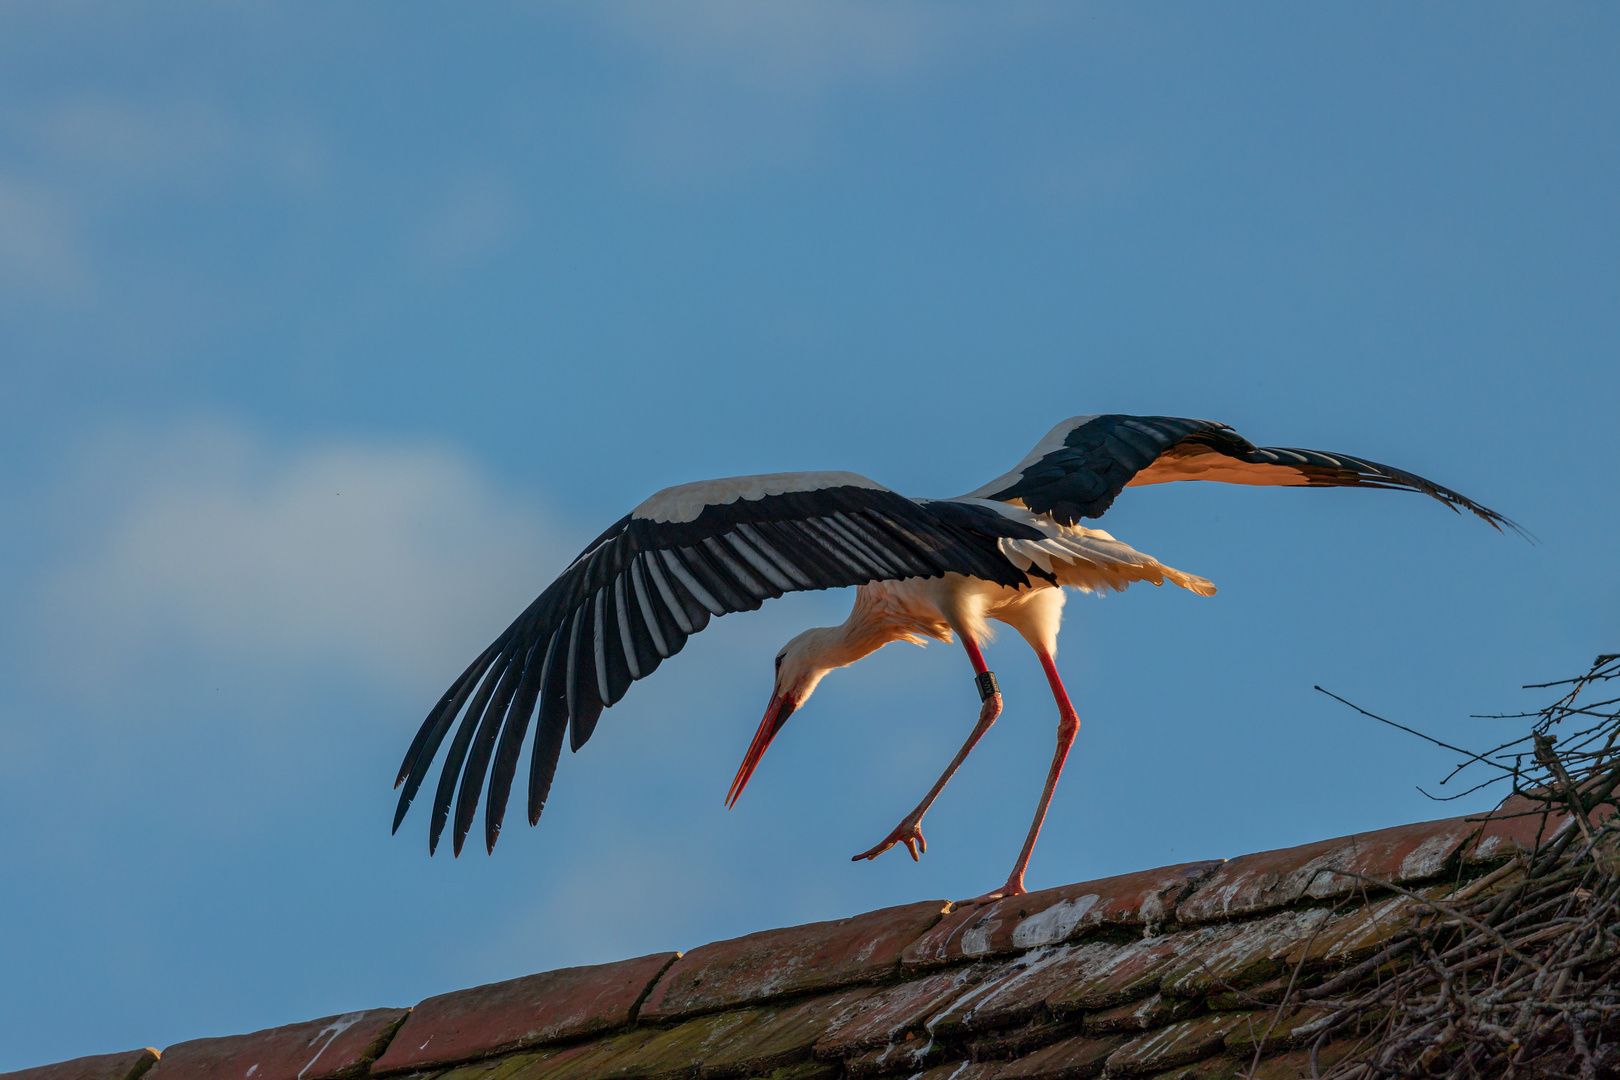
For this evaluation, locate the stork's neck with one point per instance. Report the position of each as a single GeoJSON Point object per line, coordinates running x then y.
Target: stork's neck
{"type": "Point", "coordinates": [831, 647]}
{"type": "Point", "coordinates": [880, 615]}
{"type": "Point", "coordinates": [828, 647]}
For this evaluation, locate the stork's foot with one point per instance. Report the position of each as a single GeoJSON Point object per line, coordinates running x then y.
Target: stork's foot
{"type": "Point", "coordinates": [1014, 887]}
{"type": "Point", "coordinates": [908, 832]}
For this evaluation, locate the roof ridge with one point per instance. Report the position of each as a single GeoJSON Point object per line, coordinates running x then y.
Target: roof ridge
{"type": "Point", "coordinates": [1157, 952]}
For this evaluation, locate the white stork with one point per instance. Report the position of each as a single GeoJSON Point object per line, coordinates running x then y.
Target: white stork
{"type": "Point", "coordinates": [925, 568]}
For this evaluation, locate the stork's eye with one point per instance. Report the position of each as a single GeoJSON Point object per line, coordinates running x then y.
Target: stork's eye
{"type": "Point", "coordinates": [779, 660]}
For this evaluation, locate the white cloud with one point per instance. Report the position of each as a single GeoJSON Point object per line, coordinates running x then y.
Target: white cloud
{"type": "Point", "coordinates": [381, 559]}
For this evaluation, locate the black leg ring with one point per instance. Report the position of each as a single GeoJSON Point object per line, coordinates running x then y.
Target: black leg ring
{"type": "Point", "coordinates": [986, 682]}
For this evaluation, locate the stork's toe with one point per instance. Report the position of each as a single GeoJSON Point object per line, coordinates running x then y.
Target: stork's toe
{"type": "Point", "coordinates": [908, 833]}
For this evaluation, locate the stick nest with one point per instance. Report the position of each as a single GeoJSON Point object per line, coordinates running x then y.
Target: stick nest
{"type": "Point", "coordinates": [1518, 974]}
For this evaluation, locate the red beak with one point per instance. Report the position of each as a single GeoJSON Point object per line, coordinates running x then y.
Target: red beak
{"type": "Point", "coordinates": [776, 714]}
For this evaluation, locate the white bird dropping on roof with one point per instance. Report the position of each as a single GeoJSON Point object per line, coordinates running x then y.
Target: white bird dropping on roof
{"type": "Point", "coordinates": [924, 568]}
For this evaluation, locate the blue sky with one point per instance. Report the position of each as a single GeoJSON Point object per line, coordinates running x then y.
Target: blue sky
{"type": "Point", "coordinates": [330, 332]}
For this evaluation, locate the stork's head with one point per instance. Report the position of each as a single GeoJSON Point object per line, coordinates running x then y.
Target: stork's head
{"type": "Point", "coordinates": [801, 664]}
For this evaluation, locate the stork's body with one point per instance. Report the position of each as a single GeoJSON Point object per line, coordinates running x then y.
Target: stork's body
{"type": "Point", "coordinates": [923, 568]}
{"type": "Point", "coordinates": [915, 608]}
{"type": "Point", "coordinates": [937, 608]}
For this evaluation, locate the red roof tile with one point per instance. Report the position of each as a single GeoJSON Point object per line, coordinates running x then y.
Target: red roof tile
{"type": "Point", "coordinates": [1515, 826]}
{"type": "Point", "coordinates": [1078, 1058]}
{"type": "Point", "coordinates": [1224, 1067]}
{"type": "Point", "coordinates": [1017, 1041]}
{"type": "Point", "coordinates": [1106, 975]}
{"type": "Point", "coordinates": [582, 1061]}
{"type": "Point", "coordinates": [1238, 956]}
{"type": "Point", "coordinates": [1144, 1015]}
{"type": "Point", "coordinates": [961, 1071]}
{"type": "Point", "coordinates": [522, 1012]}
{"type": "Point", "coordinates": [1056, 915]}
{"type": "Point", "coordinates": [808, 1070]}
{"type": "Point", "coordinates": [510, 1067]}
{"type": "Point", "coordinates": [335, 1046]}
{"type": "Point", "coordinates": [679, 1051]}
{"type": "Point", "coordinates": [793, 960]}
{"type": "Point", "coordinates": [1273, 879]}
{"type": "Point", "coordinates": [892, 1012]}
{"type": "Point", "coordinates": [1351, 935]}
{"type": "Point", "coordinates": [1297, 1028]}
{"type": "Point", "coordinates": [909, 1055]}
{"type": "Point", "coordinates": [128, 1065]}
{"type": "Point", "coordinates": [1177, 1044]}
{"type": "Point", "coordinates": [1008, 993]}
{"type": "Point", "coordinates": [785, 1034]}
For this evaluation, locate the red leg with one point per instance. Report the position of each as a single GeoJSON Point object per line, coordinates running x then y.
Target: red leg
{"type": "Point", "coordinates": [1068, 728]}
{"type": "Point", "coordinates": [909, 831]}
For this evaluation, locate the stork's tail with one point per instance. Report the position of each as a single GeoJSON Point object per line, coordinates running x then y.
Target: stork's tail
{"type": "Point", "coordinates": [1093, 561]}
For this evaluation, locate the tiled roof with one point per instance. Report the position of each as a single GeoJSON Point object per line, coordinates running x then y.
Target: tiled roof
{"type": "Point", "coordinates": [1158, 973]}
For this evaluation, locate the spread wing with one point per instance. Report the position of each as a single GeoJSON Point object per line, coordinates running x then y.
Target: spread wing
{"type": "Point", "coordinates": [633, 597]}
{"type": "Point", "coordinates": [1081, 465]}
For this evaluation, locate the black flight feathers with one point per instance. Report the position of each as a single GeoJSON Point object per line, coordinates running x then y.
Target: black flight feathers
{"type": "Point", "coordinates": [1081, 478]}
{"type": "Point", "coordinates": [635, 595]}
